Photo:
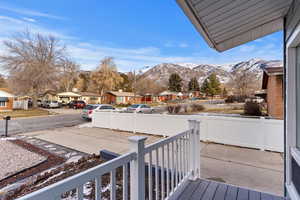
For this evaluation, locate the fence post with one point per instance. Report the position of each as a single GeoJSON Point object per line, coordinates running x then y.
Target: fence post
{"type": "Point", "coordinates": [137, 168]}
{"type": "Point", "coordinates": [197, 149]}
{"type": "Point", "coordinates": [192, 148]}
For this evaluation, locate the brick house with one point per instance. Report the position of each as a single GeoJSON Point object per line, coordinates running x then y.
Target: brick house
{"type": "Point", "coordinates": [120, 97]}
{"type": "Point", "coordinates": [273, 85]}
{"type": "Point", "coordinates": [90, 97]}
{"type": "Point", "coordinates": [6, 100]}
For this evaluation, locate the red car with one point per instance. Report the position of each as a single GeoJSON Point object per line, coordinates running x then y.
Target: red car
{"type": "Point", "coordinates": [77, 104]}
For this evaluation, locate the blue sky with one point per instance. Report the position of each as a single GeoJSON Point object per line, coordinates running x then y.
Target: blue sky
{"type": "Point", "coordinates": [136, 33]}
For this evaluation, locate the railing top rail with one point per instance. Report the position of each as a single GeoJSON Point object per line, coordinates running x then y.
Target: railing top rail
{"type": "Point", "coordinates": [160, 143]}
{"type": "Point", "coordinates": [79, 179]}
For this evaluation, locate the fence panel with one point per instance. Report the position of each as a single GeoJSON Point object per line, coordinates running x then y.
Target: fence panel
{"type": "Point", "coordinates": [260, 133]}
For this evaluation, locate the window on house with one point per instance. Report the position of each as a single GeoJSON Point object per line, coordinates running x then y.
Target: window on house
{"type": "Point", "coordinates": [2, 103]}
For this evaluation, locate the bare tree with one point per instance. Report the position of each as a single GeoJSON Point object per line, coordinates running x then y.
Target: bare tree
{"type": "Point", "coordinates": [33, 62]}
{"type": "Point", "coordinates": [146, 85]}
{"type": "Point", "coordinates": [106, 76]}
{"type": "Point", "coordinates": [244, 82]}
{"type": "Point", "coordinates": [3, 82]}
{"type": "Point", "coordinates": [69, 75]}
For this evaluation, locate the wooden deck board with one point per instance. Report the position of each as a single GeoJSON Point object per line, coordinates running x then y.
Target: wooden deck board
{"type": "Point", "coordinates": [210, 190]}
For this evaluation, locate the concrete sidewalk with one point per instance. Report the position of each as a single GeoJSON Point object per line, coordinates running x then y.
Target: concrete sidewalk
{"type": "Point", "coordinates": [255, 169]}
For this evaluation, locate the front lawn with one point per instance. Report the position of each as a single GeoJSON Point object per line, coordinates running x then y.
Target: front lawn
{"type": "Point", "coordinates": [25, 113]}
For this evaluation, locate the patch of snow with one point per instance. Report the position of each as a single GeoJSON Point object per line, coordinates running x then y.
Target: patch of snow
{"type": "Point", "coordinates": [188, 65]}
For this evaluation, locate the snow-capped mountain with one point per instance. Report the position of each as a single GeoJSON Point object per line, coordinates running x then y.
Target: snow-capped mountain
{"type": "Point", "coordinates": [161, 72]}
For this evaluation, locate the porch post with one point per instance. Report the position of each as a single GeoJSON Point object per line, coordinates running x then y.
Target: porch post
{"type": "Point", "coordinates": [137, 168]}
{"type": "Point", "coordinates": [197, 149]}
{"type": "Point", "coordinates": [192, 151]}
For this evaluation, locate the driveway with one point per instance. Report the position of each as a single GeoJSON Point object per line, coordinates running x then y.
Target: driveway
{"type": "Point", "coordinates": [255, 169]}
{"type": "Point", "coordinates": [23, 125]}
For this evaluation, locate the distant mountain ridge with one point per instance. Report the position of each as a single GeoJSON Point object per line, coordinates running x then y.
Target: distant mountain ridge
{"type": "Point", "coordinates": [160, 73]}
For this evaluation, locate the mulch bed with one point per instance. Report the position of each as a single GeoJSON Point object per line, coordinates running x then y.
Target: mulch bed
{"type": "Point", "coordinates": [52, 160]}
{"type": "Point", "coordinates": [61, 173]}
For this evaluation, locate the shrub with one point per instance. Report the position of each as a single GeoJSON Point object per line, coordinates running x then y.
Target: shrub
{"type": "Point", "coordinates": [174, 109]}
{"type": "Point", "coordinates": [252, 108]}
{"type": "Point", "coordinates": [170, 109]}
{"type": "Point", "coordinates": [177, 109]}
{"type": "Point", "coordinates": [235, 98]}
{"type": "Point", "coordinates": [197, 107]}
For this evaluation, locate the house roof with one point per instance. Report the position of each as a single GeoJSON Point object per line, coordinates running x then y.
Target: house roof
{"type": "Point", "coordinates": [4, 93]}
{"type": "Point", "coordinates": [270, 71]}
{"type": "Point", "coordinates": [68, 94]}
{"type": "Point", "coordinates": [89, 94]}
{"type": "Point", "coordinates": [225, 24]}
{"type": "Point", "coordinates": [167, 92]}
{"type": "Point", "coordinates": [122, 94]}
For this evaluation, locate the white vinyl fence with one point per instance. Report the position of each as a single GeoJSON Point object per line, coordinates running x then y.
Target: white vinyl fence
{"type": "Point", "coordinates": [22, 104]}
{"type": "Point", "coordinates": [260, 133]}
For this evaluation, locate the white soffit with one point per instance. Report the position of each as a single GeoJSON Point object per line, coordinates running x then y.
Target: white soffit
{"type": "Point", "coordinates": [225, 24]}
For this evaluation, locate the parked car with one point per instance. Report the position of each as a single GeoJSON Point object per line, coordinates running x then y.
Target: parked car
{"type": "Point", "coordinates": [140, 108]}
{"type": "Point", "coordinates": [77, 104]}
{"type": "Point", "coordinates": [89, 109]}
{"type": "Point", "coordinates": [44, 104]}
{"type": "Point", "coordinates": [52, 104]}
{"type": "Point", "coordinates": [39, 103]}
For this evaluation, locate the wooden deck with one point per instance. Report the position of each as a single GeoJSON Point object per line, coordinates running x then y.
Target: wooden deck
{"type": "Point", "coordinates": [211, 190]}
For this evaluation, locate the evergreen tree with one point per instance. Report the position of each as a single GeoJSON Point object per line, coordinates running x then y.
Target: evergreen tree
{"type": "Point", "coordinates": [194, 85]}
{"type": "Point", "coordinates": [205, 87]}
{"type": "Point", "coordinates": [175, 83]}
{"type": "Point", "coordinates": [211, 85]}
{"type": "Point", "coordinates": [215, 85]}
{"type": "Point", "coordinates": [224, 93]}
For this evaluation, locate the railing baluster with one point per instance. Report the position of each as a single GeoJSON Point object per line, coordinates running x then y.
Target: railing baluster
{"type": "Point", "coordinates": [156, 176]}
{"type": "Point", "coordinates": [180, 159]}
{"type": "Point", "coordinates": [125, 181]}
{"type": "Point", "coordinates": [98, 188]}
{"type": "Point", "coordinates": [150, 182]}
{"type": "Point", "coordinates": [168, 170]}
{"type": "Point", "coordinates": [173, 168]}
{"type": "Point", "coordinates": [183, 157]}
{"type": "Point", "coordinates": [176, 162]}
{"type": "Point", "coordinates": [80, 192]}
{"type": "Point", "coordinates": [113, 184]}
{"type": "Point", "coordinates": [162, 172]}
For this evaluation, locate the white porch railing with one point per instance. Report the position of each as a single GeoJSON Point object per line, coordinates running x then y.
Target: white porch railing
{"type": "Point", "coordinates": [157, 171]}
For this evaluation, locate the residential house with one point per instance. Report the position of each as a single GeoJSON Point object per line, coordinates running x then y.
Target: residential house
{"type": "Point", "coordinates": [6, 100]}
{"type": "Point", "coordinates": [50, 95]}
{"type": "Point", "coordinates": [273, 85]}
{"type": "Point", "coordinates": [120, 97]}
{"type": "Point", "coordinates": [66, 97]}
{"type": "Point", "coordinates": [90, 97]}
{"type": "Point", "coordinates": [168, 96]}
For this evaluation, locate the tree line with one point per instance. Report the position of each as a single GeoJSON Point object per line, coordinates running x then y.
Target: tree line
{"type": "Point", "coordinates": [35, 63]}
{"type": "Point", "coordinates": [211, 86]}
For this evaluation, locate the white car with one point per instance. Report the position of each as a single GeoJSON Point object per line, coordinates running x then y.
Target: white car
{"type": "Point", "coordinates": [89, 109]}
{"type": "Point", "coordinates": [140, 108]}
{"type": "Point", "coordinates": [52, 104]}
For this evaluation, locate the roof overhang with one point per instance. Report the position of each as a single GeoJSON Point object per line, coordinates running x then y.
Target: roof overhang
{"type": "Point", "coordinates": [225, 24]}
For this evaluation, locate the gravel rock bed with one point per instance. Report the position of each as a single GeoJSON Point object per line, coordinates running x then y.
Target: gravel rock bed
{"type": "Point", "coordinates": [14, 159]}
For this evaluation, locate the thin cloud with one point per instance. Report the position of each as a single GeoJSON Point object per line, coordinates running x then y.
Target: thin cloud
{"type": "Point", "coordinates": [29, 19]}
{"type": "Point", "coordinates": [27, 12]}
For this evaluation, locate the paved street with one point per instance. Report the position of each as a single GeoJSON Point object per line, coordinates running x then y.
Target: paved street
{"type": "Point", "coordinates": [40, 123]}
